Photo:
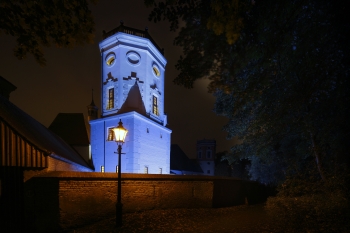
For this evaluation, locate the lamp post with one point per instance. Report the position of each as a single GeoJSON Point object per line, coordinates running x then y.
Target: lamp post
{"type": "Point", "coordinates": [119, 137]}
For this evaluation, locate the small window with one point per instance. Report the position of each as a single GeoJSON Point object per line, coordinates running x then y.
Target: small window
{"type": "Point", "coordinates": [102, 169]}
{"type": "Point", "coordinates": [208, 172]}
{"type": "Point", "coordinates": [155, 106]}
{"type": "Point", "coordinates": [208, 154]}
{"type": "Point", "coordinates": [110, 136]}
{"type": "Point", "coordinates": [208, 163]}
{"type": "Point", "coordinates": [156, 71]}
{"type": "Point", "coordinates": [110, 103]}
{"type": "Point", "coordinates": [199, 154]}
{"type": "Point", "coordinates": [146, 170]}
{"type": "Point", "coordinates": [110, 59]}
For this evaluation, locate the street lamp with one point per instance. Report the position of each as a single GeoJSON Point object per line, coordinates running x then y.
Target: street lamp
{"type": "Point", "coordinates": [119, 137]}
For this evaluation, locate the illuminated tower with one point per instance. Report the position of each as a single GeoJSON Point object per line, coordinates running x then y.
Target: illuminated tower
{"type": "Point", "coordinates": [132, 82]}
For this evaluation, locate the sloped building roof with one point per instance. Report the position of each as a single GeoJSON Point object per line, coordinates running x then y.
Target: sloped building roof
{"type": "Point", "coordinates": [133, 101]}
{"type": "Point", "coordinates": [180, 162]}
{"type": "Point", "coordinates": [71, 127]}
{"type": "Point", "coordinates": [37, 134]}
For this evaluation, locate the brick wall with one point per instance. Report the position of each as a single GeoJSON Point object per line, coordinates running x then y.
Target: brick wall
{"type": "Point", "coordinates": [67, 199]}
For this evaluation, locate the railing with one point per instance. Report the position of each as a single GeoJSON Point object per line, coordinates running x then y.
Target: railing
{"type": "Point", "coordinates": [132, 31]}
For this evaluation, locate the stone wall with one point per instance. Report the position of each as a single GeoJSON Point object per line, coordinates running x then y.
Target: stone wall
{"type": "Point", "coordinates": [65, 200]}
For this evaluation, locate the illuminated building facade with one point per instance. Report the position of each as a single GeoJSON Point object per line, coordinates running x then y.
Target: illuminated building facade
{"type": "Point", "coordinates": [132, 82]}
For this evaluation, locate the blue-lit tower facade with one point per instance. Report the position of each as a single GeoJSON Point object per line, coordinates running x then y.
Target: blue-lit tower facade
{"type": "Point", "coordinates": [132, 87]}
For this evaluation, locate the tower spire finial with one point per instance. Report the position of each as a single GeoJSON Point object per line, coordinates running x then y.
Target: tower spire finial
{"type": "Point", "coordinates": [92, 97]}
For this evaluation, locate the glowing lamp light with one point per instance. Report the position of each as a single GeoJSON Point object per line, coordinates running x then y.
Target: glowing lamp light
{"type": "Point", "coordinates": [119, 133]}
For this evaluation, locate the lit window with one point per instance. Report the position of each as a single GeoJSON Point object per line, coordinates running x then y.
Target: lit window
{"type": "Point", "coordinates": [160, 170]}
{"type": "Point", "coordinates": [156, 70]}
{"type": "Point", "coordinates": [110, 59]}
{"type": "Point", "coordinates": [146, 170]}
{"type": "Point", "coordinates": [102, 169]}
{"type": "Point", "coordinates": [208, 154]}
{"type": "Point", "coordinates": [199, 154]}
{"type": "Point", "coordinates": [110, 136]}
{"type": "Point", "coordinates": [110, 103]}
{"type": "Point", "coordinates": [155, 106]}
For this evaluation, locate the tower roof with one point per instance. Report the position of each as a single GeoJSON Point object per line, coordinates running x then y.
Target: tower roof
{"type": "Point", "coordinates": [133, 101]}
{"type": "Point", "coordinates": [92, 99]}
{"type": "Point", "coordinates": [132, 31]}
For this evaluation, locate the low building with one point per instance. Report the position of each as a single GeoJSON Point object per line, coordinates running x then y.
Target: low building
{"type": "Point", "coordinates": [27, 148]}
{"type": "Point", "coordinates": [180, 164]}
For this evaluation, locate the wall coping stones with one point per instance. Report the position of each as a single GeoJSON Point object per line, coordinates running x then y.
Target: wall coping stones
{"type": "Point", "coordinates": [63, 175]}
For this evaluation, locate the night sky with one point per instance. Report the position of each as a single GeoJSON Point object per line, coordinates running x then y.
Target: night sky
{"type": "Point", "coordinates": [65, 83]}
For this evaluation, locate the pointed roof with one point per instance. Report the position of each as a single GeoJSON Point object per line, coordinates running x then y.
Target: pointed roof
{"type": "Point", "coordinates": [71, 128]}
{"type": "Point", "coordinates": [133, 101]}
{"type": "Point", "coordinates": [6, 87]}
{"type": "Point", "coordinates": [92, 99]}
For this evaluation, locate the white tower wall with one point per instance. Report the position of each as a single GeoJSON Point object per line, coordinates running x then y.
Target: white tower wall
{"type": "Point", "coordinates": [129, 56]}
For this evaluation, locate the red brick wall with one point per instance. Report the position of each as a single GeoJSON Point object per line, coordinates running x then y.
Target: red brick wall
{"type": "Point", "coordinates": [87, 197]}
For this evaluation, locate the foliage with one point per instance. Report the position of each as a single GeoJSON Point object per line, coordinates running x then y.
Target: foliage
{"type": "Point", "coordinates": [305, 204]}
{"type": "Point", "coordinates": [42, 23]}
{"type": "Point", "coordinates": [283, 83]}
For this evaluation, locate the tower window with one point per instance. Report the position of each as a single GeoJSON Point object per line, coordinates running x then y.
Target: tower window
{"type": "Point", "coordinates": [155, 106]}
{"type": "Point", "coordinates": [110, 59]}
{"type": "Point", "coordinates": [208, 154]}
{"type": "Point", "coordinates": [110, 103]}
{"type": "Point", "coordinates": [110, 136]}
{"type": "Point", "coordinates": [155, 69]}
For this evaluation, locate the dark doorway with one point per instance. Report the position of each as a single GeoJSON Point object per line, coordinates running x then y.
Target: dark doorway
{"type": "Point", "coordinates": [11, 199]}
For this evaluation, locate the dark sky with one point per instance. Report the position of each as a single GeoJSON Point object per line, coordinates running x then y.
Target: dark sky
{"type": "Point", "coordinates": [65, 84]}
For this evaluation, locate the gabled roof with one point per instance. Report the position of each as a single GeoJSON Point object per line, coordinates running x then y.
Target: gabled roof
{"type": "Point", "coordinates": [180, 162]}
{"type": "Point", "coordinates": [37, 134]}
{"type": "Point", "coordinates": [133, 102]}
{"type": "Point", "coordinates": [71, 127]}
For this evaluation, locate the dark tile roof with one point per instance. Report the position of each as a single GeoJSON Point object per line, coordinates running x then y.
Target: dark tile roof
{"type": "Point", "coordinates": [180, 162]}
{"type": "Point", "coordinates": [71, 127]}
{"type": "Point", "coordinates": [133, 102]}
{"type": "Point", "coordinates": [37, 134]}
{"type": "Point", "coordinates": [6, 87]}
